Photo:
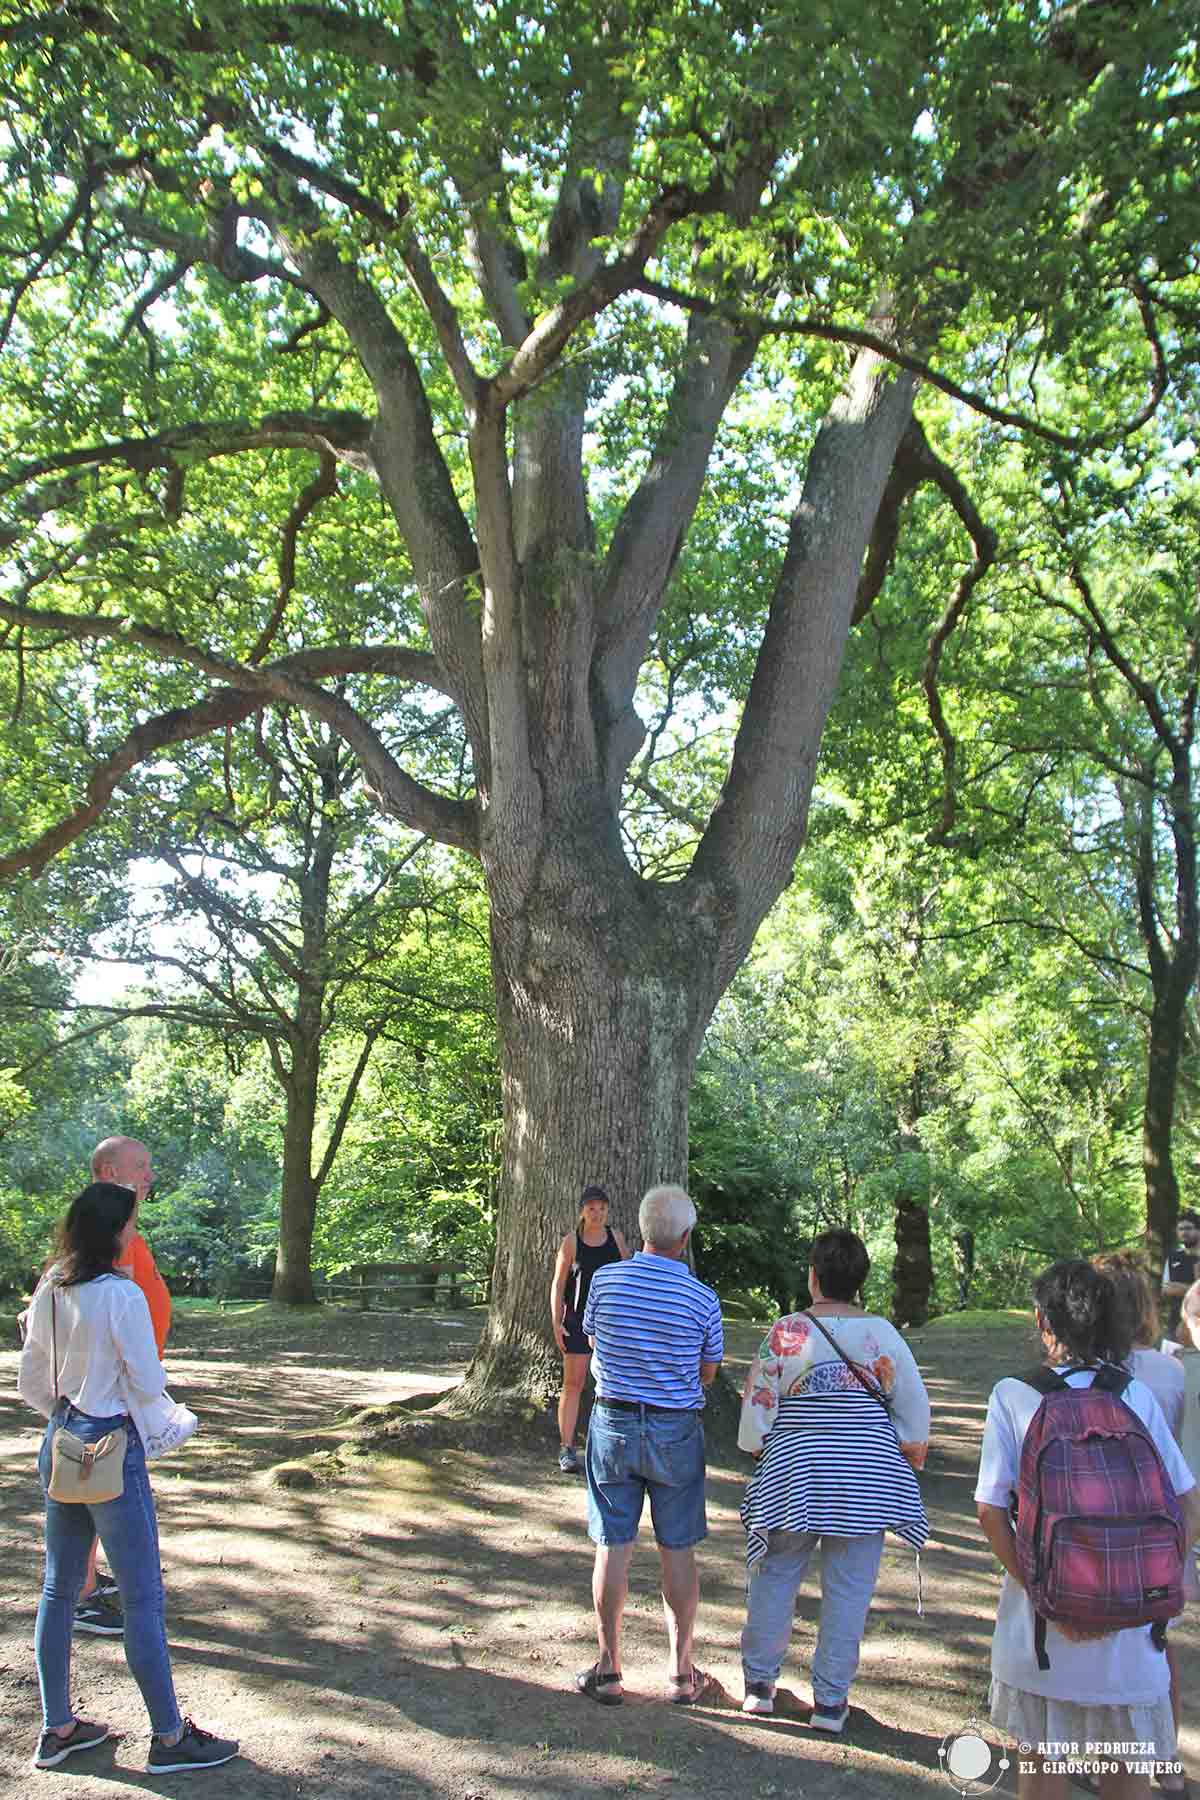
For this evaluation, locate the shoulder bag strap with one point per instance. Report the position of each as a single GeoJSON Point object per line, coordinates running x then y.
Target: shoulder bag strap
{"type": "Point", "coordinates": [875, 1392]}
{"type": "Point", "coordinates": [54, 1342]}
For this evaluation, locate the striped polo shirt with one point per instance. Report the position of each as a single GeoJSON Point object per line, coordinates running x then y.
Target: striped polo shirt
{"type": "Point", "coordinates": [653, 1324]}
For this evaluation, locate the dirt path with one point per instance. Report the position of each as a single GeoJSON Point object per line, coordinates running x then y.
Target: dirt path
{"type": "Point", "coordinates": [410, 1627]}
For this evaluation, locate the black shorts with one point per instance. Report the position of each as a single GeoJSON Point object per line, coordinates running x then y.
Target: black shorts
{"type": "Point", "coordinates": [574, 1337]}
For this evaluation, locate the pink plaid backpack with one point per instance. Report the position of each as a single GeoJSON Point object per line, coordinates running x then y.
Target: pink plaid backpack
{"type": "Point", "coordinates": [1100, 1538]}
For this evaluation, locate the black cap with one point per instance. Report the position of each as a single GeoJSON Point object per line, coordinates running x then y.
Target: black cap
{"type": "Point", "coordinates": [593, 1192]}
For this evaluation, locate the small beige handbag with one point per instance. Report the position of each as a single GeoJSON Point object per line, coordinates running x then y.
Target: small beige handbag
{"type": "Point", "coordinates": [84, 1474]}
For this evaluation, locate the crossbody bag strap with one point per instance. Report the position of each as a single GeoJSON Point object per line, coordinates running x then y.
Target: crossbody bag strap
{"type": "Point", "coordinates": [54, 1341]}
{"type": "Point", "coordinates": [876, 1393]}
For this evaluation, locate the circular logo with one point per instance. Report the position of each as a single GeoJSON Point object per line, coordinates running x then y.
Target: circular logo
{"type": "Point", "coordinates": [969, 1762]}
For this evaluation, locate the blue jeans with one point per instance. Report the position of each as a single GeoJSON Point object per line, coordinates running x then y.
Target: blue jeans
{"type": "Point", "coordinates": [129, 1532]}
{"type": "Point", "coordinates": [849, 1569]}
{"type": "Point", "coordinates": [632, 1454]}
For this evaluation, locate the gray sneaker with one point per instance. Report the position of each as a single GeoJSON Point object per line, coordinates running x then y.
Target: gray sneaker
{"type": "Point", "coordinates": [196, 1749]}
{"type": "Point", "coordinates": [99, 1615]}
{"type": "Point", "coordinates": [568, 1461]}
{"type": "Point", "coordinates": [53, 1749]}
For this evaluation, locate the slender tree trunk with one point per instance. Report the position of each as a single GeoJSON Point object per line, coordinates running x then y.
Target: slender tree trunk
{"type": "Point", "coordinates": [1173, 970]}
{"type": "Point", "coordinates": [293, 1283]}
{"type": "Point", "coordinates": [301, 1185]}
{"type": "Point", "coordinates": [912, 1271]}
{"type": "Point", "coordinates": [603, 1002]}
{"type": "Point", "coordinates": [1158, 1118]}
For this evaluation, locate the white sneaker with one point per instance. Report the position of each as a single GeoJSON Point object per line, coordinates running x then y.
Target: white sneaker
{"type": "Point", "coordinates": [829, 1718]}
{"type": "Point", "coordinates": [760, 1698]}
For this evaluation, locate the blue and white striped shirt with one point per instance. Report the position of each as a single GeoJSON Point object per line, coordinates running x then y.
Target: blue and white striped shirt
{"type": "Point", "coordinates": [653, 1324]}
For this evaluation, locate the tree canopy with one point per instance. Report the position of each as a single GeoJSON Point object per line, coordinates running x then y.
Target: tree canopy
{"type": "Point", "coordinates": [548, 364]}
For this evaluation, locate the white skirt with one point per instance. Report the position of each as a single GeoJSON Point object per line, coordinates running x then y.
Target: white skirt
{"type": "Point", "coordinates": [1034, 1721]}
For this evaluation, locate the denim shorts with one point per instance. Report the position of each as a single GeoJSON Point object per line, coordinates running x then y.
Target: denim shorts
{"type": "Point", "coordinates": [632, 1454]}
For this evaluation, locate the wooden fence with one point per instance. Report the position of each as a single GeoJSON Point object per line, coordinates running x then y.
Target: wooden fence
{"type": "Point", "coordinates": [412, 1284]}
{"type": "Point", "coordinates": [409, 1284]}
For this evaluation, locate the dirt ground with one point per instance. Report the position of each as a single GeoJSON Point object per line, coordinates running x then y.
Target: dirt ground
{"type": "Point", "coordinates": [409, 1626]}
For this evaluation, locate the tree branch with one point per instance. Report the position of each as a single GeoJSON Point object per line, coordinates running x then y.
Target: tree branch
{"type": "Point", "coordinates": [323, 487]}
{"type": "Point", "coordinates": [654, 524]}
{"type": "Point", "coordinates": [346, 1108]}
{"type": "Point", "coordinates": [345, 435]}
{"type": "Point", "coordinates": [146, 741]}
{"type": "Point", "coordinates": [984, 541]}
{"type": "Point", "coordinates": [554, 330]}
{"type": "Point", "coordinates": [915, 365]}
{"type": "Point", "coordinates": [757, 827]}
{"type": "Point", "coordinates": [450, 821]}
{"type": "Point", "coordinates": [412, 472]}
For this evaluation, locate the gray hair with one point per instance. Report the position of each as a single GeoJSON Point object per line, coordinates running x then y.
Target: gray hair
{"type": "Point", "coordinates": [664, 1215]}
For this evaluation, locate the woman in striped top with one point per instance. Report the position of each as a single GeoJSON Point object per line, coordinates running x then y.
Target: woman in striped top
{"type": "Point", "coordinates": [837, 1416]}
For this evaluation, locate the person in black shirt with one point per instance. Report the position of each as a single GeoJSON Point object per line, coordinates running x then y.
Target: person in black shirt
{"type": "Point", "coordinates": [593, 1243]}
{"type": "Point", "coordinates": [1181, 1268]}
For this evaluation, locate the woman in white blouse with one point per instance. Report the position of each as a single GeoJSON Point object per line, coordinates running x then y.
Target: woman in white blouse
{"type": "Point", "coordinates": [837, 1415]}
{"type": "Point", "coordinates": [90, 1366]}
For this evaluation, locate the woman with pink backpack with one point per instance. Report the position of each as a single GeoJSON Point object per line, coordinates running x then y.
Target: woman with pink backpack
{"type": "Point", "coordinates": [1087, 1502]}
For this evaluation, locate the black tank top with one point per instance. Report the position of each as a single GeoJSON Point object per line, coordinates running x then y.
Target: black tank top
{"type": "Point", "coordinates": [588, 1258]}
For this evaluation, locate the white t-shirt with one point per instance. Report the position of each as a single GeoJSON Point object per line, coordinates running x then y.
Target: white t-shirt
{"type": "Point", "coordinates": [107, 1358]}
{"type": "Point", "coordinates": [1122, 1669]}
{"type": "Point", "coordinates": [1164, 1376]}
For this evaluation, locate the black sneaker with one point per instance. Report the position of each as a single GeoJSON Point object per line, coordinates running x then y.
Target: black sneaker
{"type": "Point", "coordinates": [99, 1616]}
{"type": "Point", "coordinates": [106, 1589]}
{"type": "Point", "coordinates": [196, 1749]}
{"type": "Point", "coordinates": [53, 1749]}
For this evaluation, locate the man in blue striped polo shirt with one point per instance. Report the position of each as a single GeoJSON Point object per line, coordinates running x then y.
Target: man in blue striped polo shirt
{"type": "Point", "coordinates": [657, 1343]}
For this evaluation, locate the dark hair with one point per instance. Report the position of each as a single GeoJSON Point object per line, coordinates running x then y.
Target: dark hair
{"type": "Point", "coordinates": [86, 1241]}
{"type": "Point", "coordinates": [1187, 1213]}
{"type": "Point", "coordinates": [1134, 1292]}
{"type": "Point", "coordinates": [840, 1263]}
{"type": "Point", "coordinates": [1080, 1306]}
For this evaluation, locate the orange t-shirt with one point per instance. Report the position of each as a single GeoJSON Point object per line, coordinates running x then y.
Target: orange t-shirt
{"type": "Point", "coordinates": [141, 1265]}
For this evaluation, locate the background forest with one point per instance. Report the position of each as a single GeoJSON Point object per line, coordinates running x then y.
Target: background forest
{"type": "Point", "coordinates": [951, 1031]}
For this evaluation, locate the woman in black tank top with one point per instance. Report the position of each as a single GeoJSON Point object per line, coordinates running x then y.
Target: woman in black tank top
{"type": "Point", "coordinates": [593, 1243]}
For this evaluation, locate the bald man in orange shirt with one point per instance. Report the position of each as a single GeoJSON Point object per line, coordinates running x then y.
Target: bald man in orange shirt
{"type": "Point", "coordinates": [127, 1162]}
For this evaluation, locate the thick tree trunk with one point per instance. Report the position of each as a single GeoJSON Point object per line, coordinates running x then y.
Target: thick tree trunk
{"type": "Point", "coordinates": [293, 1283]}
{"type": "Point", "coordinates": [603, 1000]}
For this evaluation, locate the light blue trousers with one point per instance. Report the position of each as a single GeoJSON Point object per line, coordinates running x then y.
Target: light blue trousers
{"type": "Point", "coordinates": [849, 1567]}
{"type": "Point", "coordinates": [129, 1532]}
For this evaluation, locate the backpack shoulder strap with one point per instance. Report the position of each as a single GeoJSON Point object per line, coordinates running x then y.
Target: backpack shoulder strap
{"type": "Point", "coordinates": [1112, 1380]}
{"type": "Point", "coordinates": [1044, 1381]}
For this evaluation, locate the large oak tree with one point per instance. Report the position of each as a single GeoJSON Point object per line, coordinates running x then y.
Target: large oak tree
{"type": "Point", "coordinates": [406, 342]}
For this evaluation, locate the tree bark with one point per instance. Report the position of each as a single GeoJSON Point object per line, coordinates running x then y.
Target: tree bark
{"type": "Point", "coordinates": [293, 1283]}
{"type": "Point", "coordinates": [1173, 970]}
{"type": "Point", "coordinates": [300, 1186]}
{"type": "Point", "coordinates": [603, 991]}
{"type": "Point", "coordinates": [912, 1271]}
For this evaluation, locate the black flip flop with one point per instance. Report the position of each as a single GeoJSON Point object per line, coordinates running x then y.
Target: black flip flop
{"type": "Point", "coordinates": [592, 1683]}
